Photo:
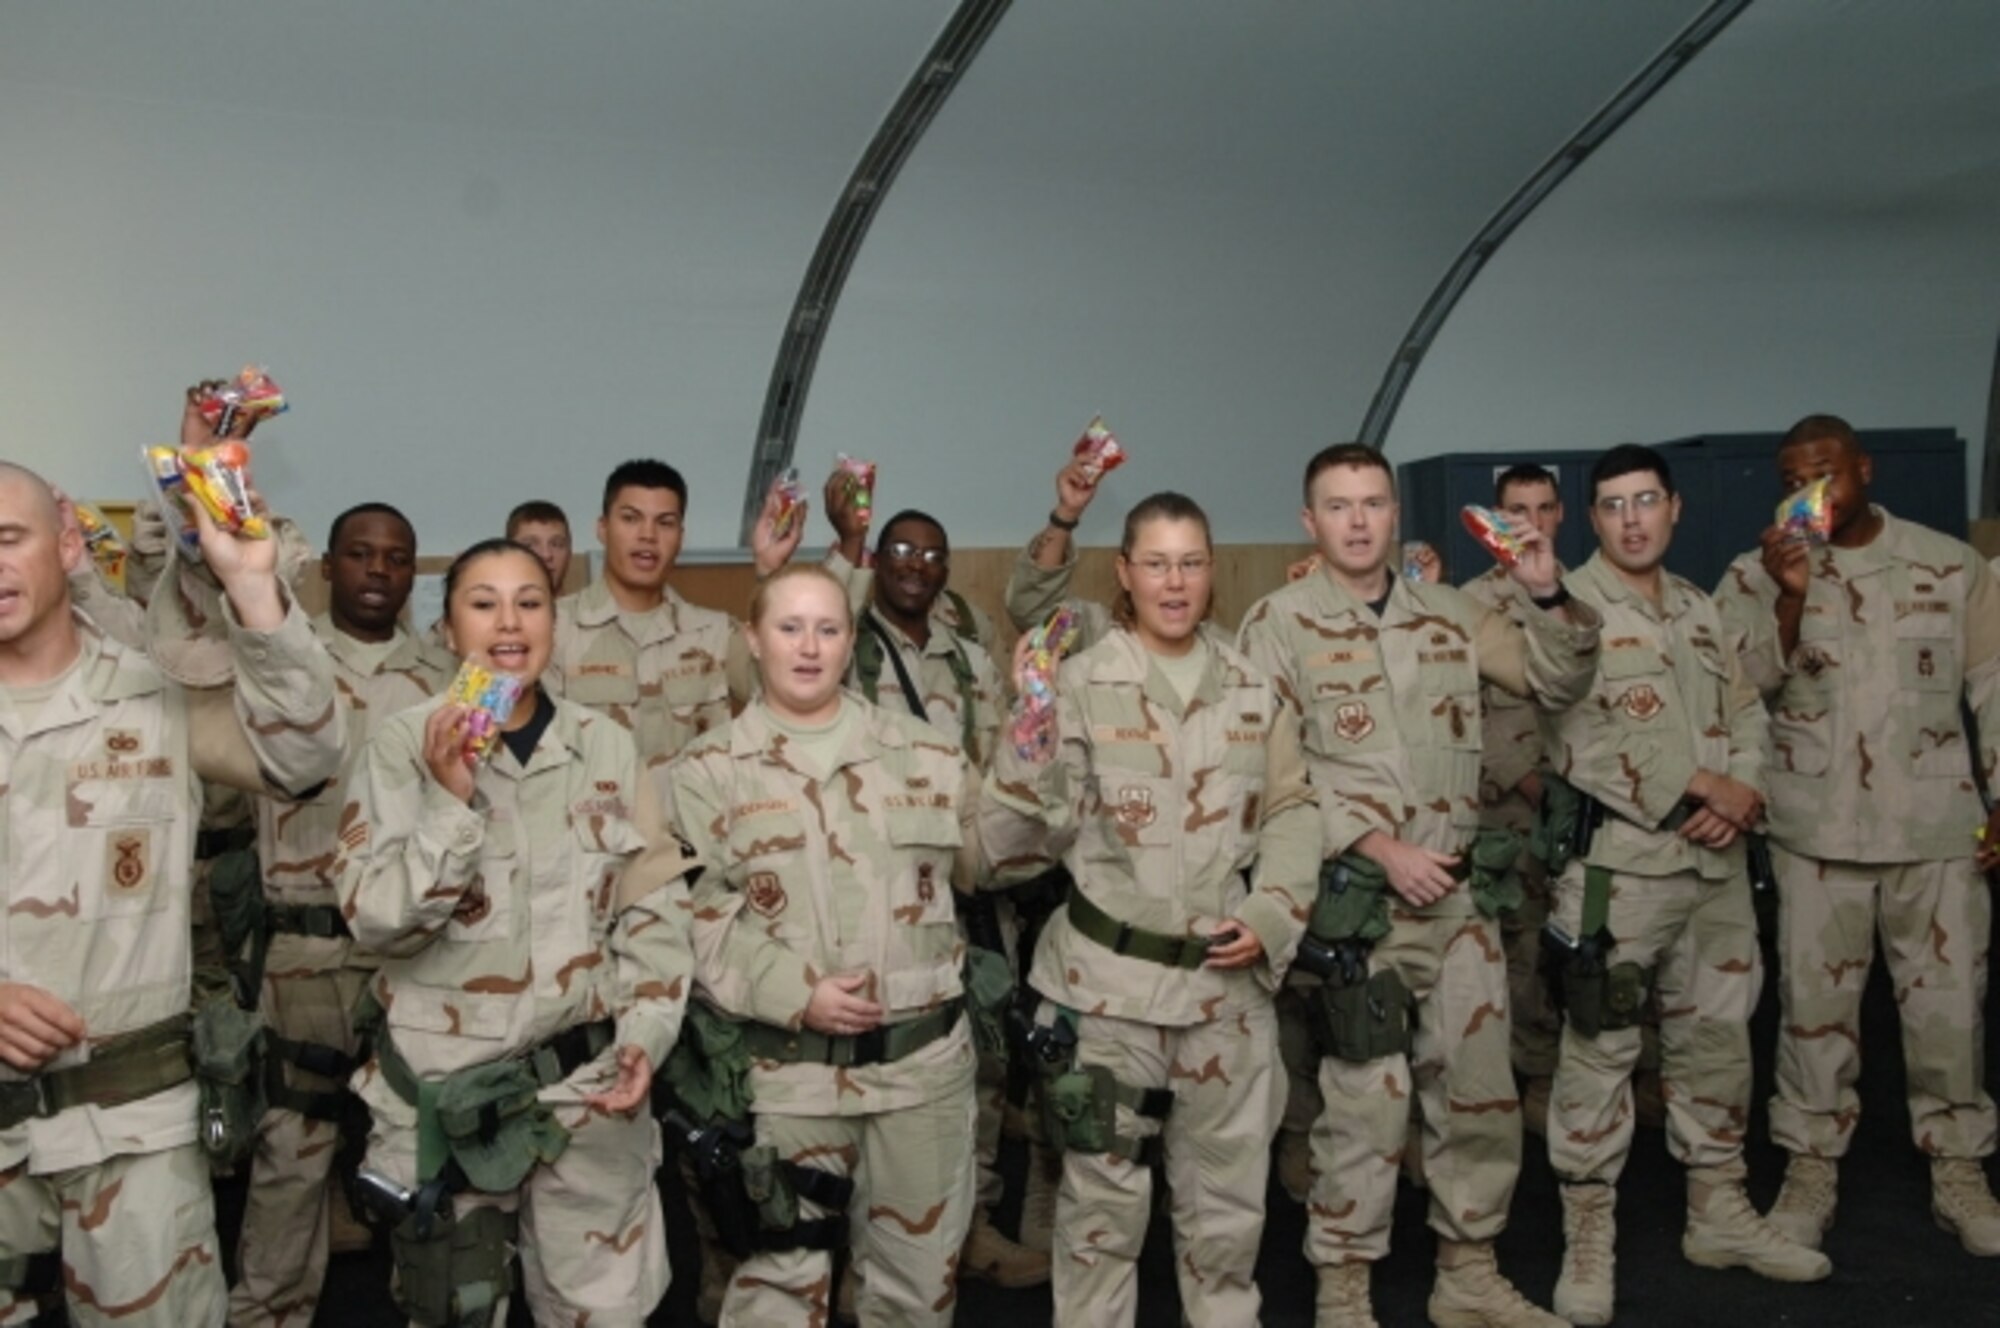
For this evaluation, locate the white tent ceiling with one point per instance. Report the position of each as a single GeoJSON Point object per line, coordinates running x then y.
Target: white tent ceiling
{"type": "Point", "coordinates": [493, 248]}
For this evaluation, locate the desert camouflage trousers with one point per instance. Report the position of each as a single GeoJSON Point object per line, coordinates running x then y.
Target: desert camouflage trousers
{"type": "Point", "coordinates": [1935, 921]}
{"type": "Point", "coordinates": [912, 1205]}
{"type": "Point", "coordinates": [1450, 958]}
{"type": "Point", "coordinates": [1228, 1086]}
{"type": "Point", "coordinates": [592, 1240]}
{"type": "Point", "coordinates": [1700, 939]}
{"type": "Point", "coordinates": [287, 1217]}
{"type": "Point", "coordinates": [137, 1235]}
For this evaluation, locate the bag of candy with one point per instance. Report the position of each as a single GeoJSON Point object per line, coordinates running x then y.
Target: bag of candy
{"type": "Point", "coordinates": [1807, 513]}
{"type": "Point", "coordinates": [1490, 529]}
{"type": "Point", "coordinates": [490, 696]}
{"type": "Point", "coordinates": [107, 550]}
{"type": "Point", "coordinates": [791, 498]}
{"type": "Point", "coordinates": [218, 478]}
{"type": "Point", "coordinates": [864, 482]}
{"type": "Point", "coordinates": [1098, 451]}
{"type": "Point", "coordinates": [1034, 726]}
{"type": "Point", "coordinates": [1416, 554]}
{"type": "Point", "coordinates": [247, 398]}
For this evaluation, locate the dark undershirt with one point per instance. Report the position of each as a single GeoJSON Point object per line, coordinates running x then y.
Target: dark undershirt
{"type": "Point", "coordinates": [1381, 606]}
{"type": "Point", "coordinates": [522, 741]}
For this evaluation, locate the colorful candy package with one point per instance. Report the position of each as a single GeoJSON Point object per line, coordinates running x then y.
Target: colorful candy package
{"type": "Point", "coordinates": [864, 482]}
{"type": "Point", "coordinates": [250, 396]}
{"type": "Point", "coordinates": [107, 549]}
{"type": "Point", "coordinates": [490, 696]}
{"type": "Point", "coordinates": [1034, 727]}
{"type": "Point", "coordinates": [791, 497]}
{"type": "Point", "coordinates": [1413, 559]}
{"type": "Point", "coordinates": [1098, 450]}
{"type": "Point", "coordinates": [1490, 529]}
{"type": "Point", "coordinates": [1807, 513]}
{"type": "Point", "coordinates": [218, 478]}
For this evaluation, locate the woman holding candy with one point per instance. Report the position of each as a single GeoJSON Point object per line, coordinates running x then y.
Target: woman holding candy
{"type": "Point", "coordinates": [1180, 805]}
{"type": "Point", "coordinates": [829, 835]}
{"type": "Point", "coordinates": [530, 983]}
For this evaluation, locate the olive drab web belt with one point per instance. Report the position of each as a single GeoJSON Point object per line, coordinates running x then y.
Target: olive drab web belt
{"type": "Point", "coordinates": [121, 1069]}
{"type": "Point", "coordinates": [889, 1042]}
{"type": "Point", "coordinates": [1123, 938]}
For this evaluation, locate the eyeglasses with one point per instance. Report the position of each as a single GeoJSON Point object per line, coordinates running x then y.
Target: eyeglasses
{"type": "Point", "coordinates": [1613, 505]}
{"type": "Point", "coordinates": [1159, 569]}
{"type": "Point", "coordinates": [903, 551]}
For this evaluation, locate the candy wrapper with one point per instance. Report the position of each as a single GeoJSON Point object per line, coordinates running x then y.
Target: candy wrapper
{"type": "Point", "coordinates": [864, 482]}
{"type": "Point", "coordinates": [250, 396]}
{"type": "Point", "coordinates": [1807, 513]}
{"type": "Point", "coordinates": [791, 497]}
{"type": "Point", "coordinates": [1413, 559]}
{"type": "Point", "coordinates": [1034, 727]}
{"type": "Point", "coordinates": [218, 478]}
{"type": "Point", "coordinates": [1098, 451]}
{"type": "Point", "coordinates": [107, 550]}
{"type": "Point", "coordinates": [490, 697]}
{"type": "Point", "coordinates": [1490, 529]}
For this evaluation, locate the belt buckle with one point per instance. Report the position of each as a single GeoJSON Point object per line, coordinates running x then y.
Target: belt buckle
{"type": "Point", "coordinates": [870, 1048]}
{"type": "Point", "coordinates": [24, 1099]}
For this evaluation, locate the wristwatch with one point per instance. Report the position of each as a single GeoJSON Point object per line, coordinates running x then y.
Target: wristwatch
{"type": "Point", "coordinates": [1555, 601]}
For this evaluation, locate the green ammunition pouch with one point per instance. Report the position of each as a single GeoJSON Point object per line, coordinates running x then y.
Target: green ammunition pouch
{"type": "Point", "coordinates": [1079, 1103]}
{"type": "Point", "coordinates": [1495, 871]}
{"type": "Point", "coordinates": [1596, 995]}
{"type": "Point", "coordinates": [488, 1121]}
{"type": "Point", "coordinates": [878, 1046]}
{"type": "Point", "coordinates": [1353, 901]}
{"type": "Point", "coordinates": [708, 1072]}
{"type": "Point", "coordinates": [1362, 1021]}
{"type": "Point", "coordinates": [988, 980]}
{"type": "Point", "coordinates": [1156, 947]}
{"type": "Point", "coordinates": [228, 1051]}
{"type": "Point", "coordinates": [121, 1069]}
{"type": "Point", "coordinates": [453, 1271]}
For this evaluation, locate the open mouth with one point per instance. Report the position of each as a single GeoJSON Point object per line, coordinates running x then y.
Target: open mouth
{"type": "Point", "coordinates": [508, 656]}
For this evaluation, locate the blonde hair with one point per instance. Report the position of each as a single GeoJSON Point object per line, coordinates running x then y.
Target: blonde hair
{"type": "Point", "coordinates": [760, 599]}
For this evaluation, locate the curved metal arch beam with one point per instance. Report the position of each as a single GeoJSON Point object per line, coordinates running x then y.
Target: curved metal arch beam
{"type": "Point", "coordinates": [798, 351]}
{"type": "Point", "coordinates": [1416, 343]}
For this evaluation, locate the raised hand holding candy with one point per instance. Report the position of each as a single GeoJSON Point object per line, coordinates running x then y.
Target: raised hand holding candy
{"type": "Point", "coordinates": [1098, 452]}
{"type": "Point", "coordinates": [486, 699]}
{"type": "Point", "coordinates": [1806, 514]}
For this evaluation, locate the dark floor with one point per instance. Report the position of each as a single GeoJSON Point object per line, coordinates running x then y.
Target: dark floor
{"type": "Point", "coordinates": [1892, 1267]}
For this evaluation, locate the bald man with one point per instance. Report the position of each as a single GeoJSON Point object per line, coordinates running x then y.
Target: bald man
{"type": "Point", "coordinates": [104, 1195]}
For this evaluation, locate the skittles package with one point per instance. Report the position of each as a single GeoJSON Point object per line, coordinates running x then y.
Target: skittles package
{"type": "Point", "coordinates": [1034, 726]}
{"type": "Point", "coordinates": [1490, 529]}
{"type": "Point", "coordinates": [218, 478]}
{"type": "Point", "coordinates": [1807, 513]}
{"type": "Point", "coordinates": [247, 398]}
{"type": "Point", "coordinates": [491, 697]}
{"type": "Point", "coordinates": [791, 497]}
{"type": "Point", "coordinates": [1098, 451]}
{"type": "Point", "coordinates": [864, 482]}
{"type": "Point", "coordinates": [107, 549]}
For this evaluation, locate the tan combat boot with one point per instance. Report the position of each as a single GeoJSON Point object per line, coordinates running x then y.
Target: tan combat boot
{"type": "Point", "coordinates": [1470, 1293]}
{"type": "Point", "coordinates": [1963, 1203]}
{"type": "Point", "coordinates": [1587, 1287]}
{"type": "Point", "coordinates": [1804, 1210]}
{"type": "Point", "coordinates": [1295, 1164]}
{"type": "Point", "coordinates": [1038, 1199]}
{"type": "Point", "coordinates": [1343, 1297]}
{"type": "Point", "coordinates": [988, 1256]}
{"type": "Point", "coordinates": [1724, 1231]}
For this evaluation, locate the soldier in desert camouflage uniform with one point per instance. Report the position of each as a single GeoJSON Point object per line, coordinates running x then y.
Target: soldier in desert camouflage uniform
{"type": "Point", "coordinates": [829, 834]}
{"type": "Point", "coordinates": [1510, 795]}
{"type": "Point", "coordinates": [1178, 796]}
{"type": "Point", "coordinates": [311, 977]}
{"type": "Point", "coordinates": [911, 627]}
{"type": "Point", "coordinates": [1862, 647]}
{"type": "Point", "coordinates": [99, 761]}
{"type": "Point", "coordinates": [1041, 576]}
{"type": "Point", "coordinates": [1671, 749]}
{"type": "Point", "coordinates": [1383, 674]}
{"type": "Point", "coordinates": [515, 936]}
{"type": "Point", "coordinates": [629, 645]}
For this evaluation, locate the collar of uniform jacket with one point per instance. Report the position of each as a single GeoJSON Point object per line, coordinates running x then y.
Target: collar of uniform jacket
{"type": "Point", "coordinates": [595, 606]}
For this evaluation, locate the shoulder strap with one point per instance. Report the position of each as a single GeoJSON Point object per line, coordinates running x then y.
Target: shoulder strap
{"type": "Point", "coordinates": [895, 657]}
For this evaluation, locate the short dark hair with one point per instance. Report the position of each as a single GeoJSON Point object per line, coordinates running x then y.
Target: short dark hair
{"type": "Point", "coordinates": [1346, 454]}
{"type": "Point", "coordinates": [1813, 428]}
{"type": "Point", "coordinates": [645, 473]}
{"type": "Point", "coordinates": [910, 514]}
{"type": "Point", "coordinates": [1630, 459]}
{"type": "Point", "coordinates": [367, 509]}
{"type": "Point", "coordinates": [1527, 472]}
{"type": "Point", "coordinates": [540, 509]}
{"type": "Point", "coordinates": [498, 544]}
